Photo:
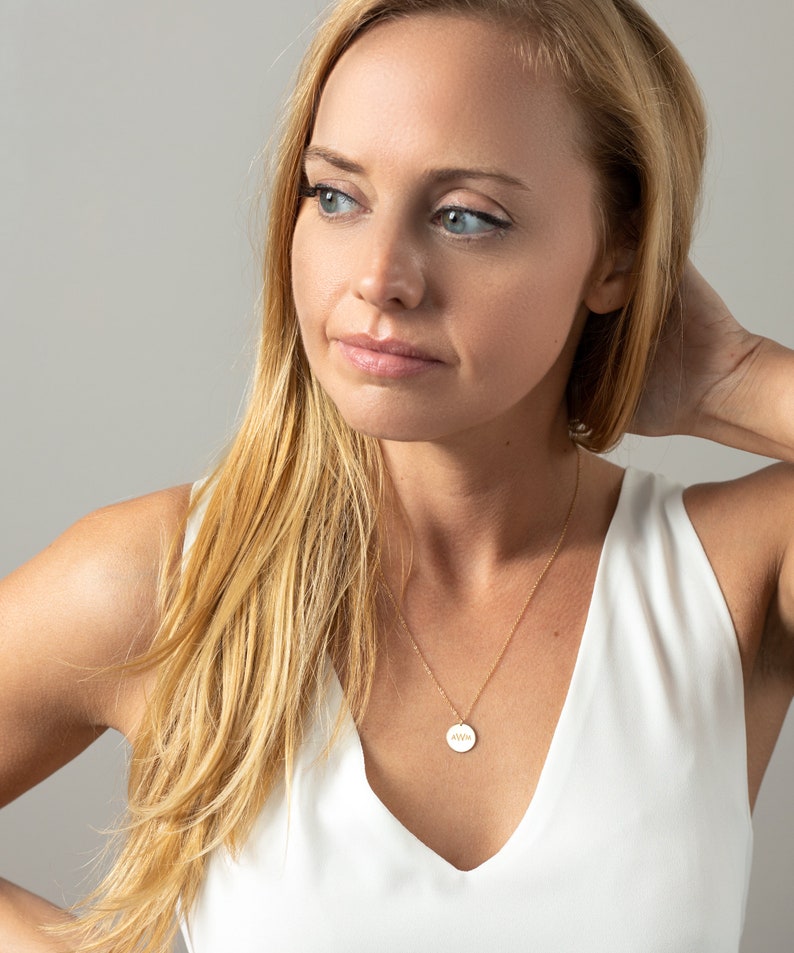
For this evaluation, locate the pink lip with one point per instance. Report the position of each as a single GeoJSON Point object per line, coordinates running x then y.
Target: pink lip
{"type": "Point", "coordinates": [385, 357]}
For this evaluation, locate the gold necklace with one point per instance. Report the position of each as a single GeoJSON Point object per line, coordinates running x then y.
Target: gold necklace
{"type": "Point", "coordinates": [461, 736]}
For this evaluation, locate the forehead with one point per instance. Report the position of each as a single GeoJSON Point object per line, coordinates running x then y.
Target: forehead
{"type": "Point", "coordinates": [446, 84]}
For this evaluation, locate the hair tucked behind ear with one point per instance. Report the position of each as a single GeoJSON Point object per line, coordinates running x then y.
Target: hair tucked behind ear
{"type": "Point", "coordinates": [646, 137]}
{"type": "Point", "coordinates": [283, 573]}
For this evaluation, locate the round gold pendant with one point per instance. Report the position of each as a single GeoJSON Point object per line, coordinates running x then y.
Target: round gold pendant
{"type": "Point", "coordinates": [461, 738]}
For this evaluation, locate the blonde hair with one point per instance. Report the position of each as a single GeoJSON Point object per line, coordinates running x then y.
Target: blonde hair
{"type": "Point", "coordinates": [283, 572]}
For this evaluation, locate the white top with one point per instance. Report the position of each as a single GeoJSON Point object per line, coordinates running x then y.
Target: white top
{"type": "Point", "coordinates": [638, 837]}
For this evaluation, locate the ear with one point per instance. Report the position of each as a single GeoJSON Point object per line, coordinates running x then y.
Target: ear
{"type": "Point", "coordinates": [611, 282]}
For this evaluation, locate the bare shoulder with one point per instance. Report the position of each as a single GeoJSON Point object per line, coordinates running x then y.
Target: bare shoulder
{"type": "Point", "coordinates": [84, 604]}
{"type": "Point", "coordinates": [747, 529]}
{"type": "Point", "coordinates": [757, 509]}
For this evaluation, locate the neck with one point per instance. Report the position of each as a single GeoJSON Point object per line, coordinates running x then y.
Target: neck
{"type": "Point", "coordinates": [466, 507]}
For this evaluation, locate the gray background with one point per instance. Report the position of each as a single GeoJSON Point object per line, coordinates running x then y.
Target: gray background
{"type": "Point", "coordinates": [130, 137]}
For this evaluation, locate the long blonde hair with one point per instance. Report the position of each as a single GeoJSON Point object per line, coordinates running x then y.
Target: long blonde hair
{"type": "Point", "coordinates": [283, 572]}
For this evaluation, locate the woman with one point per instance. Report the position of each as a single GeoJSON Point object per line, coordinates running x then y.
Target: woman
{"type": "Point", "coordinates": [483, 213]}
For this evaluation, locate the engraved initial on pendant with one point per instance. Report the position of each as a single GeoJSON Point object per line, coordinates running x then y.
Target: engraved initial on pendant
{"type": "Point", "coordinates": [461, 738]}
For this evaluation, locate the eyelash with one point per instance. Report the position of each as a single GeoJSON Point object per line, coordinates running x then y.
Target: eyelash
{"type": "Point", "coordinates": [314, 191]}
{"type": "Point", "coordinates": [500, 225]}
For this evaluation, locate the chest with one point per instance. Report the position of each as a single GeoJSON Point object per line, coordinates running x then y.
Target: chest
{"type": "Point", "coordinates": [636, 835]}
{"type": "Point", "coordinates": [466, 805]}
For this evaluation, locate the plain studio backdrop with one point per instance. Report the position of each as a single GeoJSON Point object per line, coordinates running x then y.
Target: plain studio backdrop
{"type": "Point", "coordinates": [130, 141]}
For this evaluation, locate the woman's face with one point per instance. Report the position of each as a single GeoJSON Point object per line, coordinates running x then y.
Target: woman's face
{"type": "Point", "coordinates": [445, 252]}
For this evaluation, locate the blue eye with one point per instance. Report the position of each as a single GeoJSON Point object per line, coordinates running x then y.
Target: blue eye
{"type": "Point", "coordinates": [462, 221]}
{"type": "Point", "coordinates": [331, 201]}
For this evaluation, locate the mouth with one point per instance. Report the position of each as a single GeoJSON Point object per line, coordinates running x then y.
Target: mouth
{"type": "Point", "coordinates": [385, 357]}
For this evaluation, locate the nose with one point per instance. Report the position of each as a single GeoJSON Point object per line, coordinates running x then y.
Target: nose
{"type": "Point", "coordinates": [389, 272]}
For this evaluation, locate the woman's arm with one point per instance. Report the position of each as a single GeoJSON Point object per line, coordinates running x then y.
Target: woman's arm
{"type": "Point", "coordinates": [85, 604]}
{"type": "Point", "coordinates": [22, 914]}
{"type": "Point", "coordinates": [712, 378]}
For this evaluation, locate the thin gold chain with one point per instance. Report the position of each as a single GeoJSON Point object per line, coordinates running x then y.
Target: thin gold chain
{"type": "Point", "coordinates": [495, 664]}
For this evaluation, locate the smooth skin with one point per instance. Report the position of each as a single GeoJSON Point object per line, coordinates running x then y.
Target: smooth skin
{"type": "Point", "coordinates": [445, 259]}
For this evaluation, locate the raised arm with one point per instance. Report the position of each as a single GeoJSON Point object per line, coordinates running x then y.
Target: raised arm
{"type": "Point", "coordinates": [85, 604]}
{"type": "Point", "coordinates": [713, 378]}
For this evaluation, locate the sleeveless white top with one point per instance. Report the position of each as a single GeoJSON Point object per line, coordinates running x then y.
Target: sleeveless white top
{"type": "Point", "coordinates": [638, 838]}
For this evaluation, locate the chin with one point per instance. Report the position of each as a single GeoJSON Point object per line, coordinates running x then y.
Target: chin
{"type": "Point", "coordinates": [399, 433]}
{"type": "Point", "coordinates": [392, 424]}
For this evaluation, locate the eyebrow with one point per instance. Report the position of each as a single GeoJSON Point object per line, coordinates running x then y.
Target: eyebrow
{"type": "Point", "coordinates": [332, 158]}
{"type": "Point", "coordinates": [340, 162]}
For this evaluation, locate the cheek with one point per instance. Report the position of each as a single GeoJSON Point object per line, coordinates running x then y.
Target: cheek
{"type": "Point", "coordinates": [556, 300]}
{"type": "Point", "coordinates": [318, 276]}
{"type": "Point", "coordinates": [528, 313]}
{"type": "Point", "coordinates": [305, 286]}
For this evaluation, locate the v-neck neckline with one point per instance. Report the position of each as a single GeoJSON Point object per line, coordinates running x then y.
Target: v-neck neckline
{"type": "Point", "coordinates": [569, 718]}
